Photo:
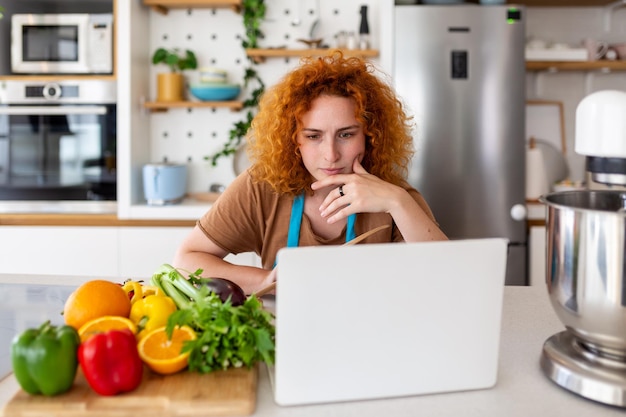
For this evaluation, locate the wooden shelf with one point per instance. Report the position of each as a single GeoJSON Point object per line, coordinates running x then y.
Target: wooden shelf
{"type": "Point", "coordinates": [163, 6]}
{"type": "Point", "coordinates": [56, 78]}
{"type": "Point", "coordinates": [161, 106]}
{"type": "Point", "coordinates": [259, 55]}
{"type": "Point", "coordinates": [576, 65]}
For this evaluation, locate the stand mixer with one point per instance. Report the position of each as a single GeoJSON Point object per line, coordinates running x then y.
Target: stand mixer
{"type": "Point", "coordinates": [586, 260]}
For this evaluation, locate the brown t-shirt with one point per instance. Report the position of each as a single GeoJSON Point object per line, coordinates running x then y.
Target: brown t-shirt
{"type": "Point", "coordinates": [252, 217]}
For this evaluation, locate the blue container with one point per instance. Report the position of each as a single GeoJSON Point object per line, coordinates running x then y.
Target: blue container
{"type": "Point", "coordinates": [164, 183]}
{"type": "Point", "coordinates": [215, 91]}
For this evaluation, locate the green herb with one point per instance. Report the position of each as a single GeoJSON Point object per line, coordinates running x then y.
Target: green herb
{"type": "Point", "coordinates": [227, 336]}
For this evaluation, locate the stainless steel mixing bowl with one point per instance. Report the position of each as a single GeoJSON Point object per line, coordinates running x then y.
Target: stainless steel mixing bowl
{"type": "Point", "coordinates": [586, 266]}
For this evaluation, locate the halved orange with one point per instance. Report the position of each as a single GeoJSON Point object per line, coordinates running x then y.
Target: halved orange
{"type": "Point", "coordinates": [164, 356]}
{"type": "Point", "coordinates": [103, 324]}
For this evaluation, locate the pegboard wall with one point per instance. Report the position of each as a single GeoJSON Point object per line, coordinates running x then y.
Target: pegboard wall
{"type": "Point", "coordinates": [214, 35]}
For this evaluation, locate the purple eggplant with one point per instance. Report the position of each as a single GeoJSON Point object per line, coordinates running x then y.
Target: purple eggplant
{"type": "Point", "coordinates": [224, 289]}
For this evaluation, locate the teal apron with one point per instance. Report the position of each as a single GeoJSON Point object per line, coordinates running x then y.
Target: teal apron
{"type": "Point", "coordinates": [297, 211]}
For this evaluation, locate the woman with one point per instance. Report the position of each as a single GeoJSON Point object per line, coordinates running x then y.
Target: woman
{"type": "Point", "coordinates": [329, 148]}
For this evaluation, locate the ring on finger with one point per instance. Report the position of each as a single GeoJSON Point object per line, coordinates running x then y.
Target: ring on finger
{"type": "Point", "coordinates": [341, 193]}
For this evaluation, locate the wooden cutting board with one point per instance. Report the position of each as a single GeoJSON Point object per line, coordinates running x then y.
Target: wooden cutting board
{"type": "Point", "coordinates": [221, 393]}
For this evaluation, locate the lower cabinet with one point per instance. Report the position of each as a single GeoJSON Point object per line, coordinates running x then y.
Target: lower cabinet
{"type": "Point", "coordinates": [59, 250]}
{"type": "Point", "coordinates": [124, 252]}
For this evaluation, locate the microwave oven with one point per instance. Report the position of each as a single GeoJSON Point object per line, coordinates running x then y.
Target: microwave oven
{"type": "Point", "coordinates": [76, 43]}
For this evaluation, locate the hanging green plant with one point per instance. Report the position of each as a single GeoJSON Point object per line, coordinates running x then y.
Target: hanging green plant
{"type": "Point", "coordinates": [253, 12]}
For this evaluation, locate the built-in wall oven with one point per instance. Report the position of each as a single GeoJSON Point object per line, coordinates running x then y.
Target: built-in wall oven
{"type": "Point", "coordinates": [58, 140]}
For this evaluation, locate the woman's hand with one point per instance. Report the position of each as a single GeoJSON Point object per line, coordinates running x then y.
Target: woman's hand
{"type": "Point", "coordinates": [362, 193]}
{"type": "Point", "coordinates": [366, 193]}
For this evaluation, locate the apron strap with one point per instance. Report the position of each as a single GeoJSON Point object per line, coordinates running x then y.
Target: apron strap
{"type": "Point", "coordinates": [295, 221]}
{"type": "Point", "coordinates": [297, 211]}
{"type": "Point", "coordinates": [350, 232]}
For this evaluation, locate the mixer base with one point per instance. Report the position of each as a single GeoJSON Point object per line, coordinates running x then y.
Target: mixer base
{"type": "Point", "coordinates": [570, 366]}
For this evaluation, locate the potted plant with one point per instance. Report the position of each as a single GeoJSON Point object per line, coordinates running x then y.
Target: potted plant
{"type": "Point", "coordinates": [170, 85]}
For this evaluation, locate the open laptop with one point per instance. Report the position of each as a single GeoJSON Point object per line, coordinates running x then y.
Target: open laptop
{"type": "Point", "coordinates": [387, 320]}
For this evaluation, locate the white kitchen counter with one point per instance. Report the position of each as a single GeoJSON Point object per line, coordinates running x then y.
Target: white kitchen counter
{"type": "Point", "coordinates": [521, 390]}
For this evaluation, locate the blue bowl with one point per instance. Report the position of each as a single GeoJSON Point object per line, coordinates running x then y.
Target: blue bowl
{"type": "Point", "coordinates": [215, 91]}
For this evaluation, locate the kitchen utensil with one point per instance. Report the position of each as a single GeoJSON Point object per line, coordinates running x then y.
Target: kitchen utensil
{"type": "Point", "coordinates": [354, 241]}
{"type": "Point", "coordinates": [364, 29]}
{"type": "Point", "coordinates": [556, 167]}
{"type": "Point", "coordinates": [221, 393]}
{"type": "Point", "coordinates": [586, 278]}
{"type": "Point", "coordinates": [215, 91]}
{"type": "Point", "coordinates": [164, 183]}
{"type": "Point", "coordinates": [536, 178]}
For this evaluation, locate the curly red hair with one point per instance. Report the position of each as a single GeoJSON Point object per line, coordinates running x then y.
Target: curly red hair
{"type": "Point", "coordinates": [272, 139]}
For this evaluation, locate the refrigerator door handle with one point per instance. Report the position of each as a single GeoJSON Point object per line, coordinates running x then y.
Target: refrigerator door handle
{"type": "Point", "coordinates": [518, 212]}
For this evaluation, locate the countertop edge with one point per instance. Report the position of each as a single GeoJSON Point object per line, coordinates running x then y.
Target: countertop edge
{"type": "Point", "coordinates": [73, 219]}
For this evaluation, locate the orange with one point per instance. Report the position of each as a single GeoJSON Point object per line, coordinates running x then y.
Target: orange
{"type": "Point", "coordinates": [163, 356]}
{"type": "Point", "coordinates": [94, 299]}
{"type": "Point", "coordinates": [103, 324]}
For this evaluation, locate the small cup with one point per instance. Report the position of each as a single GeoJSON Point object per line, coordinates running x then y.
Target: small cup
{"type": "Point", "coordinates": [595, 49]}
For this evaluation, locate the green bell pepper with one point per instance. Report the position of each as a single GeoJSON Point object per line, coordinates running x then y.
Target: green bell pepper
{"type": "Point", "coordinates": [45, 360]}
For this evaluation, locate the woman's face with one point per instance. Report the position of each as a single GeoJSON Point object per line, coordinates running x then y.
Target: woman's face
{"type": "Point", "coordinates": [331, 138]}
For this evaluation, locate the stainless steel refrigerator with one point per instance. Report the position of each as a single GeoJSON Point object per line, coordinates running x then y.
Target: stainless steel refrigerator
{"type": "Point", "coordinates": [460, 69]}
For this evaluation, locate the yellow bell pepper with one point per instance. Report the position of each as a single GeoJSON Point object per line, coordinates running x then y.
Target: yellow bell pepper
{"type": "Point", "coordinates": [137, 291]}
{"type": "Point", "coordinates": [151, 312]}
{"type": "Point", "coordinates": [150, 308]}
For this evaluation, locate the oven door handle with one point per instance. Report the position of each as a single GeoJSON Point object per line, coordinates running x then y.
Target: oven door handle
{"type": "Point", "coordinates": [51, 110]}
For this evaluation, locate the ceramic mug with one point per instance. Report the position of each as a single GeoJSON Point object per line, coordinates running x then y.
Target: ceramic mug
{"type": "Point", "coordinates": [595, 49]}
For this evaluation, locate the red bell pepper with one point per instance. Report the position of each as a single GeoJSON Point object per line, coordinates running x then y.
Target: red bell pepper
{"type": "Point", "coordinates": [110, 362]}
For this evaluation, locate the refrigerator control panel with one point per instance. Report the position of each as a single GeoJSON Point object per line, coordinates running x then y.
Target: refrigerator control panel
{"type": "Point", "coordinates": [459, 64]}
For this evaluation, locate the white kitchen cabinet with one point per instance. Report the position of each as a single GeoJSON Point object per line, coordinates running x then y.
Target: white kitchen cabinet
{"type": "Point", "coordinates": [124, 252]}
{"type": "Point", "coordinates": [537, 255]}
{"type": "Point", "coordinates": [143, 249]}
{"type": "Point", "coordinates": [59, 250]}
